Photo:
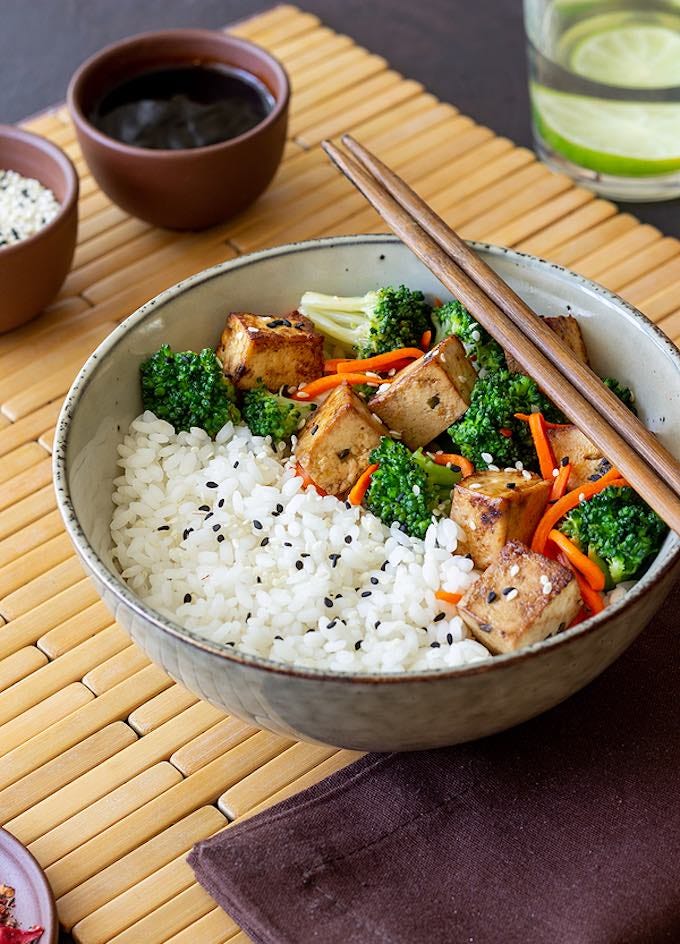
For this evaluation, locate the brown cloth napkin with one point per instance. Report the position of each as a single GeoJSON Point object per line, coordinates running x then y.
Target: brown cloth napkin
{"type": "Point", "coordinates": [565, 830]}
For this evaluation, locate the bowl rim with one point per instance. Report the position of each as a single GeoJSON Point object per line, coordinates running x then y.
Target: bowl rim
{"type": "Point", "coordinates": [83, 123]}
{"type": "Point", "coordinates": [125, 596]}
{"type": "Point", "coordinates": [65, 164]}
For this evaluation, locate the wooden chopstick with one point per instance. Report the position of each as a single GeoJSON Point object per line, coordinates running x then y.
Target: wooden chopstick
{"type": "Point", "coordinates": [589, 384]}
{"type": "Point", "coordinates": [548, 375]}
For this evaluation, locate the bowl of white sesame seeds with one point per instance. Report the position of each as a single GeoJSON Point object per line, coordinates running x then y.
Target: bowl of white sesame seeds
{"type": "Point", "coordinates": [38, 222]}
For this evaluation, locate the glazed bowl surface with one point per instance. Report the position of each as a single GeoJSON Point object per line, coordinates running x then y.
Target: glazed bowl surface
{"type": "Point", "coordinates": [191, 188]}
{"type": "Point", "coordinates": [33, 269]}
{"type": "Point", "coordinates": [366, 712]}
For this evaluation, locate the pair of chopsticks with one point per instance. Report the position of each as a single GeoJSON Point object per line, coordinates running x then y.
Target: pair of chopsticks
{"type": "Point", "coordinates": [647, 465]}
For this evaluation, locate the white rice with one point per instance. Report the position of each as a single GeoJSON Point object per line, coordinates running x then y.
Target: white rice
{"type": "Point", "coordinates": [380, 591]}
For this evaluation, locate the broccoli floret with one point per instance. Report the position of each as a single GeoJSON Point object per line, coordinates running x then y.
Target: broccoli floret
{"type": "Point", "coordinates": [454, 318]}
{"type": "Point", "coordinates": [269, 414]}
{"type": "Point", "coordinates": [373, 323]}
{"type": "Point", "coordinates": [625, 394]}
{"type": "Point", "coordinates": [407, 487]}
{"type": "Point", "coordinates": [495, 399]}
{"type": "Point", "coordinates": [188, 389]}
{"type": "Point", "coordinates": [619, 528]}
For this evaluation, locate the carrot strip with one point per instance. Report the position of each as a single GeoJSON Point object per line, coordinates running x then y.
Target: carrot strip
{"type": "Point", "coordinates": [307, 480]}
{"type": "Point", "coordinates": [578, 560]}
{"type": "Point", "coordinates": [591, 598]}
{"type": "Point", "coordinates": [360, 487]}
{"type": "Point", "coordinates": [426, 340]}
{"type": "Point", "coordinates": [316, 387]}
{"type": "Point", "coordinates": [525, 417]}
{"type": "Point", "coordinates": [437, 302]}
{"type": "Point", "coordinates": [448, 597]}
{"type": "Point", "coordinates": [557, 511]}
{"type": "Point", "coordinates": [331, 365]}
{"type": "Point", "coordinates": [379, 361]}
{"type": "Point", "coordinates": [560, 483]}
{"type": "Point", "coordinates": [443, 458]}
{"type": "Point", "coordinates": [544, 451]}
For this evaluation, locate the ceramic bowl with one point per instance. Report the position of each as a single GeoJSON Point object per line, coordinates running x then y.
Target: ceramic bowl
{"type": "Point", "coordinates": [366, 712]}
{"type": "Point", "coordinates": [32, 270]}
{"type": "Point", "coordinates": [183, 189]}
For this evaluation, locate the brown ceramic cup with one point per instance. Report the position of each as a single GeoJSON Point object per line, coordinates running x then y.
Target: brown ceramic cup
{"type": "Point", "coordinates": [32, 270]}
{"type": "Point", "coordinates": [180, 189]}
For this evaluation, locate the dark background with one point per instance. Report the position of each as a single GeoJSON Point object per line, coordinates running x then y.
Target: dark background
{"type": "Point", "coordinates": [468, 52]}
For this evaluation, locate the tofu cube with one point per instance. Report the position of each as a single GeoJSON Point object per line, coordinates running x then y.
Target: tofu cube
{"type": "Point", "coordinates": [336, 442]}
{"type": "Point", "coordinates": [522, 598]}
{"type": "Point", "coordinates": [586, 459]}
{"type": "Point", "coordinates": [496, 507]}
{"type": "Point", "coordinates": [276, 351]}
{"type": "Point", "coordinates": [567, 328]}
{"type": "Point", "coordinates": [428, 395]}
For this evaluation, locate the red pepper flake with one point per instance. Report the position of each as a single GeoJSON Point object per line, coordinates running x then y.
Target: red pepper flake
{"type": "Point", "coordinates": [504, 431]}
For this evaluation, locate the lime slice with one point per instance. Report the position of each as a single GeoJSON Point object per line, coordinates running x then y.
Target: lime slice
{"type": "Point", "coordinates": [621, 138]}
{"type": "Point", "coordinates": [634, 55]}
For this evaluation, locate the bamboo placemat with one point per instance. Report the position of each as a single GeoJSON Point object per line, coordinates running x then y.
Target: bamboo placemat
{"type": "Point", "coordinates": [109, 771]}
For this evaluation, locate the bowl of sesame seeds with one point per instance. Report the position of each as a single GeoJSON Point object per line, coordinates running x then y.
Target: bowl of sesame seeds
{"type": "Point", "coordinates": [38, 222]}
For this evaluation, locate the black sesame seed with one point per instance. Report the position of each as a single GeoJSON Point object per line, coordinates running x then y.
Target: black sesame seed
{"type": "Point", "coordinates": [455, 468]}
{"type": "Point", "coordinates": [211, 484]}
{"type": "Point", "coordinates": [187, 598]}
{"type": "Point", "coordinates": [276, 323]}
{"type": "Point", "coordinates": [229, 643]}
{"type": "Point", "coordinates": [216, 527]}
{"type": "Point", "coordinates": [366, 593]}
{"type": "Point", "coordinates": [434, 645]}
{"type": "Point", "coordinates": [186, 533]}
{"type": "Point", "coordinates": [248, 615]}
{"type": "Point", "coordinates": [314, 429]}
{"type": "Point", "coordinates": [348, 539]}
{"type": "Point", "coordinates": [304, 555]}
{"type": "Point", "coordinates": [279, 509]}
{"type": "Point", "coordinates": [300, 325]}
{"type": "Point", "coordinates": [220, 503]}
{"type": "Point", "coordinates": [374, 580]}
{"type": "Point", "coordinates": [220, 538]}
{"type": "Point", "coordinates": [338, 596]}
{"type": "Point", "coordinates": [204, 507]}
{"type": "Point", "coordinates": [449, 639]}
{"type": "Point", "coordinates": [279, 637]}
{"type": "Point", "coordinates": [485, 627]}
{"type": "Point", "coordinates": [357, 645]}
{"type": "Point", "coordinates": [235, 466]}
{"type": "Point", "coordinates": [264, 542]}
{"type": "Point", "coordinates": [287, 544]}
{"type": "Point", "coordinates": [285, 322]}
{"type": "Point", "coordinates": [438, 617]}
{"type": "Point", "coordinates": [257, 524]}
{"type": "Point", "coordinates": [565, 461]}
{"type": "Point", "coordinates": [164, 527]}
{"type": "Point", "coordinates": [332, 624]}
{"type": "Point", "coordinates": [434, 401]}
{"type": "Point", "coordinates": [348, 505]}
{"type": "Point", "coordinates": [258, 579]}
{"type": "Point", "coordinates": [511, 485]}
{"type": "Point", "coordinates": [343, 453]}
{"type": "Point", "coordinates": [506, 590]}
{"type": "Point", "coordinates": [327, 601]}
{"type": "Point", "coordinates": [384, 565]}
{"type": "Point", "coordinates": [376, 624]}
{"type": "Point", "coordinates": [299, 564]}
{"type": "Point", "coordinates": [209, 515]}
{"type": "Point", "coordinates": [491, 596]}
{"type": "Point", "coordinates": [311, 630]}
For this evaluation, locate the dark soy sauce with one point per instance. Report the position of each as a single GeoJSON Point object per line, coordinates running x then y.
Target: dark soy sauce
{"type": "Point", "coordinates": [183, 107]}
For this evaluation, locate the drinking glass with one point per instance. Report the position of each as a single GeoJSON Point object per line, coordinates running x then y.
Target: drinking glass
{"type": "Point", "coordinates": [604, 82]}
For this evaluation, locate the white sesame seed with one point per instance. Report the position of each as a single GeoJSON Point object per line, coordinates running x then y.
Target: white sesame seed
{"type": "Point", "coordinates": [526, 474]}
{"type": "Point", "coordinates": [513, 593]}
{"type": "Point", "coordinates": [302, 385]}
{"type": "Point", "coordinates": [372, 373]}
{"type": "Point", "coordinates": [510, 470]}
{"type": "Point", "coordinates": [519, 465]}
{"type": "Point", "coordinates": [493, 468]}
{"type": "Point", "coordinates": [582, 497]}
{"type": "Point", "coordinates": [514, 570]}
{"type": "Point", "coordinates": [544, 578]}
{"type": "Point", "coordinates": [475, 485]}
{"type": "Point", "coordinates": [416, 490]}
{"type": "Point", "coordinates": [556, 472]}
{"type": "Point", "coordinates": [547, 588]}
{"type": "Point", "coordinates": [25, 207]}
{"type": "Point", "coordinates": [476, 336]}
{"type": "Point", "coordinates": [394, 433]}
{"type": "Point", "coordinates": [471, 525]}
{"type": "Point", "coordinates": [487, 457]}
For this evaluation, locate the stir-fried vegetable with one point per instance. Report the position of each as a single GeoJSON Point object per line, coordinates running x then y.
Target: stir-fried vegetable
{"type": "Point", "coordinates": [454, 318]}
{"type": "Point", "coordinates": [269, 414]}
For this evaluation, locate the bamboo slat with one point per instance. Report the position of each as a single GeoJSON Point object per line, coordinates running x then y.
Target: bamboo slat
{"type": "Point", "coordinates": [108, 769]}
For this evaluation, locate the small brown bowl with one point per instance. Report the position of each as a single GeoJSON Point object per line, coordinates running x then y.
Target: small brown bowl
{"type": "Point", "coordinates": [180, 189]}
{"type": "Point", "coordinates": [32, 270]}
